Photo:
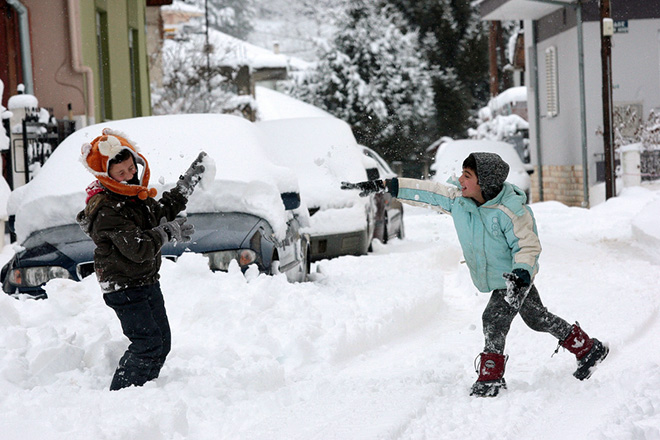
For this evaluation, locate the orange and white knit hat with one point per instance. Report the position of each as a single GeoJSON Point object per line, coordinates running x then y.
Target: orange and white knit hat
{"type": "Point", "coordinates": [97, 154]}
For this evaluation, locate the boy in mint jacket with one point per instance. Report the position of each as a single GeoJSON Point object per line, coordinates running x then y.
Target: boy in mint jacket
{"type": "Point", "coordinates": [498, 236]}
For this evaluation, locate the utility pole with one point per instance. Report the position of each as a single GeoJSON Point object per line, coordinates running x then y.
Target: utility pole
{"type": "Point", "coordinates": [493, 46]}
{"type": "Point", "coordinates": [606, 31]}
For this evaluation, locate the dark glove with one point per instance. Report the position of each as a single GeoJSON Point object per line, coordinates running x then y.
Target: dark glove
{"type": "Point", "coordinates": [177, 230]}
{"type": "Point", "coordinates": [367, 187]}
{"type": "Point", "coordinates": [518, 284]}
{"type": "Point", "coordinates": [192, 176]}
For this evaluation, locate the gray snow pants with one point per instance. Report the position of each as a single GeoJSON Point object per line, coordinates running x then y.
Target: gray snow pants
{"type": "Point", "coordinates": [498, 315]}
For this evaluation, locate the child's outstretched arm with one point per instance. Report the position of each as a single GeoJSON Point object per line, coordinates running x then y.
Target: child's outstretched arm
{"type": "Point", "coordinates": [426, 193]}
{"type": "Point", "coordinates": [411, 191]}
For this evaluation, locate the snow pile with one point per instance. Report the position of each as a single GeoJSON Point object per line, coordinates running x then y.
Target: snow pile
{"type": "Point", "coordinates": [22, 100]}
{"type": "Point", "coordinates": [496, 121]}
{"type": "Point", "coordinates": [379, 346]}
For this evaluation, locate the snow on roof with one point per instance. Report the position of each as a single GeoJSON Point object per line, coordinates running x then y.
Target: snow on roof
{"type": "Point", "coordinates": [232, 51]}
{"type": "Point", "coordinates": [177, 6]}
{"type": "Point", "coordinates": [323, 152]}
{"type": "Point", "coordinates": [276, 105]}
{"type": "Point", "coordinates": [237, 52]}
{"type": "Point", "coordinates": [514, 94]}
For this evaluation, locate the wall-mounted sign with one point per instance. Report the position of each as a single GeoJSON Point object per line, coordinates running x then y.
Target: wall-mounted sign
{"type": "Point", "coordinates": [620, 26]}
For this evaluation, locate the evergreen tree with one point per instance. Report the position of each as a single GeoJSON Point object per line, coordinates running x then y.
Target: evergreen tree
{"type": "Point", "coordinates": [455, 44]}
{"type": "Point", "coordinates": [373, 76]}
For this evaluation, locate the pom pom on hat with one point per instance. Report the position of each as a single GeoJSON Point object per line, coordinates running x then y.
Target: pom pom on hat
{"type": "Point", "coordinates": [96, 156]}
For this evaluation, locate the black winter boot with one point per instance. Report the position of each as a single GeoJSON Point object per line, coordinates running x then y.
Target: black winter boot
{"type": "Point", "coordinates": [491, 375]}
{"type": "Point", "coordinates": [588, 351]}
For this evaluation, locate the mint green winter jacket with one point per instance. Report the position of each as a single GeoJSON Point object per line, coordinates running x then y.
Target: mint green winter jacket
{"type": "Point", "coordinates": [496, 237]}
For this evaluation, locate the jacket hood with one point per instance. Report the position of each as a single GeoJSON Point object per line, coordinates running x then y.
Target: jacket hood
{"type": "Point", "coordinates": [97, 154]}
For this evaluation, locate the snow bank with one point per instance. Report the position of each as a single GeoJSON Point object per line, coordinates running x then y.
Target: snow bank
{"type": "Point", "coordinates": [376, 347]}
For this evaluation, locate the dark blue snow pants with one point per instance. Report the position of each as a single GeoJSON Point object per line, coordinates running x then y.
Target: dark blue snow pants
{"type": "Point", "coordinates": [143, 318]}
{"type": "Point", "coordinates": [498, 315]}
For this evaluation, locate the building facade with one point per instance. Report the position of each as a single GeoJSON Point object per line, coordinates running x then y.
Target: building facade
{"type": "Point", "coordinates": [566, 106]}
{"type": "Point", "coordinates": [87, 58]}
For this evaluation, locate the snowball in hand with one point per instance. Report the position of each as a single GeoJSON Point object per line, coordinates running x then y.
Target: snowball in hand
{"type": "Point", "coordinates": [209, 173]}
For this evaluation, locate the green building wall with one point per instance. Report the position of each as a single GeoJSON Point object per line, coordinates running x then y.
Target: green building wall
{"type": "Point", "coordinates": [121, 17]}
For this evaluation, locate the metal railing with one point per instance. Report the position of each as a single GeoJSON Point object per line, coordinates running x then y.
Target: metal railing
{"type": "Point", "coordinates": [32, 147]}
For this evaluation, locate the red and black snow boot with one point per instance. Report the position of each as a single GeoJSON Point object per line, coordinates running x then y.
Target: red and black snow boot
{"type": "Point", "coordinates": [588, 351]}
{"type": "Point", "coordinates": [491, 375]}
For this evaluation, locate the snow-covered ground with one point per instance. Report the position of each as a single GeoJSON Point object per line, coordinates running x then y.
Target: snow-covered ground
{"type": "Point", "coordinates": [376, 347]}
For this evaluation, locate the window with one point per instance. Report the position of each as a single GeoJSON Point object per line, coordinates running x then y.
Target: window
{"type": "Point", "coordinates": [103, 52]}
{"type": "Point", "coordinates": [551, 88]}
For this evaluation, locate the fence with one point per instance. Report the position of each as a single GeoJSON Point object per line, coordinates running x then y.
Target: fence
{"type": "Point", "coordinates": [33, 145]}
{"type": "Point", "coordinates": [650, 165]}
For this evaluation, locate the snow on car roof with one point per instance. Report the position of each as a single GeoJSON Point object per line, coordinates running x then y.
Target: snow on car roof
{"type": "Point", "coordinates": [246, 180]}
{"type": "Point", "coordinates": [322, 151]}
{"type": "Point", "coordinates": [450, 156]}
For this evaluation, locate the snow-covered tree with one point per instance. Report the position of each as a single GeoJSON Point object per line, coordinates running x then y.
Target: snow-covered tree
{"type": "Point", "coordinates": [455, 44]}
{"type": "Point", "coordinates": [295, 25]}
{"type": "Point", "coordinates": [195, 83]}
{"type": "Point", "coordinates": [233, 17]}
{"type": "Point", "coordinates": [373, 76]}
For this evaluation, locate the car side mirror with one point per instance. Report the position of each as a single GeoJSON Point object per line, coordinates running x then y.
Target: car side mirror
{"type": "Point", "coordinates": [291, 200]}
{"type": "Point", "coordinates": [373, 174]}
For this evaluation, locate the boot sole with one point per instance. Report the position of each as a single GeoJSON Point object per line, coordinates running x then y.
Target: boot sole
{"type": "Point", "coordinates": [579, 374]}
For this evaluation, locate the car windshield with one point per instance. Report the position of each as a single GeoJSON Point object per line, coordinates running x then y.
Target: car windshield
{"type": "Point", "coordinates": [239, 223]}
{"type": "Point", "coordinates": [57, 235]}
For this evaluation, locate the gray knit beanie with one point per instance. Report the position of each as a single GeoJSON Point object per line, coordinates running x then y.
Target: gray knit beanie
{"type": "Point", "coordinates": [491, 171]}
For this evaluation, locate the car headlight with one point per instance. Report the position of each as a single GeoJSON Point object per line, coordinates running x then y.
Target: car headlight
{"type": "Point", "coordinates": [220, 260]}
{"type": "Point", "coordinates": [36, 276]}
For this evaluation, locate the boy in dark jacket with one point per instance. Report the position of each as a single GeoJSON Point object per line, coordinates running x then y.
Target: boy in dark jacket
{"type": "Point", "coordinates": [497, 232]}
{"type": "Point", "coordinates": [129, 228]}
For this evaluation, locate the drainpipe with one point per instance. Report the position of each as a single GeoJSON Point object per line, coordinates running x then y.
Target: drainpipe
{"type": "Point", "coordinates": [76, 58]}
{"type": "Point", "coordinates": [26, 51]}
{"type": "Point", "coordinates": [537, 109]}
{"type": "Point", "coordinates": [583, 108]}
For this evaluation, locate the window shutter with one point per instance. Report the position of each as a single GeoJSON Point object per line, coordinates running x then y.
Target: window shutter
{"type": "Point", "coordinates": [552, 94]}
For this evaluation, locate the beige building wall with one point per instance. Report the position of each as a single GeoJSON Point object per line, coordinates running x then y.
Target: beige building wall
{"type": "Point", "coordinates": [562, 183]}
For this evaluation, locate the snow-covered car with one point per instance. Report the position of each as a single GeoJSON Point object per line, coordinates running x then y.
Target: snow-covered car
{"type": "Point", "coordinates": [389, 210]}
{"type": "Point", "coordinates": [323, 152]}
{"type": "Point", "coordinates": [450, 156]}
{"type": "Point", "coordinates": [249, 212]}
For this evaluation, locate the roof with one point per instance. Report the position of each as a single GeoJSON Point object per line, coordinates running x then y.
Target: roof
{"type": "Point", "coordinates": [519, 9]}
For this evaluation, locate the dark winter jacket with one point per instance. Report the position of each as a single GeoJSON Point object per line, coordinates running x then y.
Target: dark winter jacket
{"type": "Point", "coordinates": [127, 250]}
{"type": "Point", "coordinates": [496, 237]}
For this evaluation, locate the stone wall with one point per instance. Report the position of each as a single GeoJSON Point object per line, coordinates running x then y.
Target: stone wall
{"type": "Point", "coordinates": [560, 183]}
